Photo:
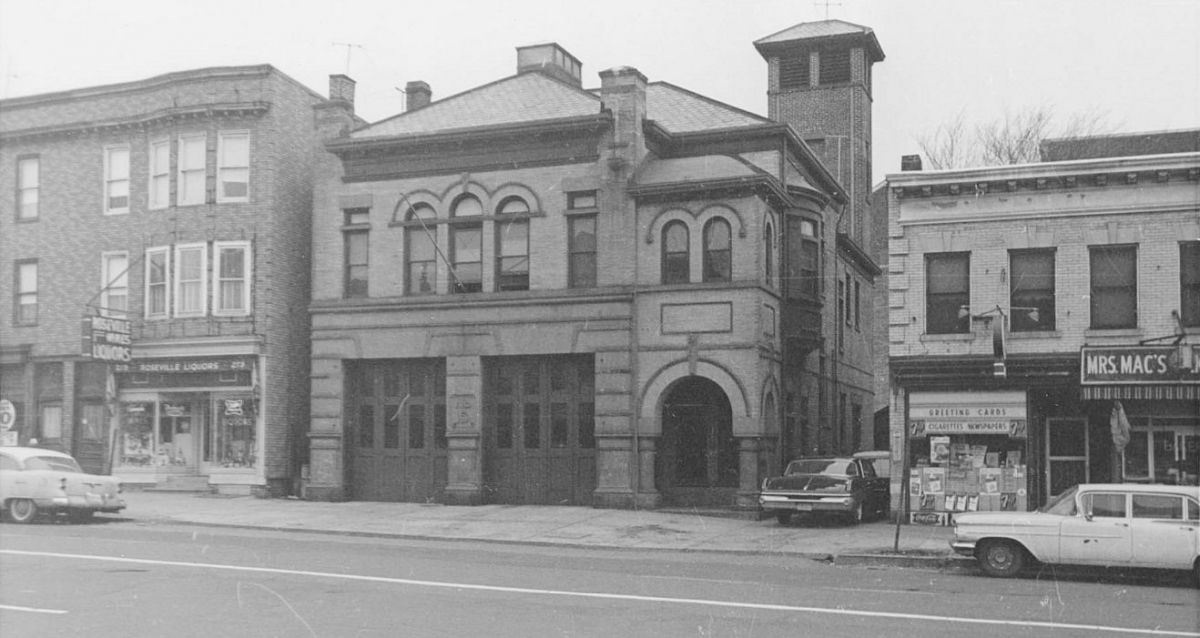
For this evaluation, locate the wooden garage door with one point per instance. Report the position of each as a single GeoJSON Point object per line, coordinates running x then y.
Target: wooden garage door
{"type": "Point", "coordinates": [539, 430]}
{"type": "Point", "coordinates": [397, 411]}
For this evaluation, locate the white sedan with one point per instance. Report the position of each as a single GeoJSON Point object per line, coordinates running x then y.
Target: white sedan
{"type": "Point", "coordinates": [35, 481]}
{"type": "Point", "coordinates": [1114, 525]}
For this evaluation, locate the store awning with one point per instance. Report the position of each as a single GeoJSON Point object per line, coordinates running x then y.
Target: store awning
{"type": "Point", "coordinates": [1148, 391]}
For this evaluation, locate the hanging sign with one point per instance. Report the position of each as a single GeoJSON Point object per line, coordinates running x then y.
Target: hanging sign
{"type": "Point", "coordinates": [8, 415]}
{"type": "Point", "coordinates": [107, 339]}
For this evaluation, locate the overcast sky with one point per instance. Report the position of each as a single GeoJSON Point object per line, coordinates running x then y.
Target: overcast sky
{"type": "Point", "coordinates": [1135, 61]}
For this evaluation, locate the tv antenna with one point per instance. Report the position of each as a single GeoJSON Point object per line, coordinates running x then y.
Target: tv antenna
{"type": "Point", "coordinates": [827, 4]}
{"type": "Point", "coordinates": [349, 46]}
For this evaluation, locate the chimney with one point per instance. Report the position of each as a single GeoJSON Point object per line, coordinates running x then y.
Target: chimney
{"type": "Point", "coordinates": [551, 59]}
{"type": "Point", "coordinates": [341, 88]}
{"type": "Point", "coordinates": [910, 162]}
{"type": "Point", "coordinates": [417, 95]}
{"type": "Point", "coordinates": [623, 93]}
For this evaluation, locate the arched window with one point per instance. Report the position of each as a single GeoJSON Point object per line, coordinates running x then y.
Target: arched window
{"type": "Point", "coordinates": [466, 245]}
{"type": "Point", "coordinates": [717, 251]}
{"type": "Point", "coordinates": [769, 255]}
{"type": "Point", "coordinates": [512, 245]}
{"type": "Point", "coordinates": [420, 241]}
{"type": "Point", "coordinates": [675, 256]}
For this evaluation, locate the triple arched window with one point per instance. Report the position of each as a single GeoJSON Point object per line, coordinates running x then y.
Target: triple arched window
{"type": "Point", "coordinates": [466, 245]}
{"type": "Point", "coordinates": [420, 249]}
{"type": "Point", "coordinates": [512, 245]}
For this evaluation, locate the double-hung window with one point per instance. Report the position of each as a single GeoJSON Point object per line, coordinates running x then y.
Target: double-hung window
{"type": "Point", "coordinates": [158, 283]}
{"type": "Point", "coordinates": [512, 245]}
{"type": "Point", "coordinates": [581, 239]}
{"type": "Point", "coordinates": [676, 256]}
{"type": "Point", "coordinates": [233, 166]}
{"type": "Point", "coordinates": [1031, 289]}
{"type": "Point", "coordinates": [802, 261]}
{"type": "Point", "coordinates": [190, 188]}
{"type": "Point", "coordinates": [191, 280]}
{"type": "Point", "coordinates": [1189, 283]}
{"type": "Point", "coordinates": [160, 174]}
{"type": "Point", "coordinates": [1114, 287]}
{"type": "Point", "coordinates": [466, 245]}
{"type": "Point", "coordinates": [947, 293]}
{"type": "Point", "coordinates": [231, 271]}
{"type": "Point", "coordinates": [420, 243]}
{"type": "Point", "coordinates": [114, 278]}
{"type": "Point", "coordinates": [116, 179]}
{"type": "Point", "coordinates": [27, 187]}
{"type": "Point", "coordinates": [26, 273]}
{"type": "Point", "coordinates": [355, 251]}
{"type": "Point", "coordinates": [718, 251]}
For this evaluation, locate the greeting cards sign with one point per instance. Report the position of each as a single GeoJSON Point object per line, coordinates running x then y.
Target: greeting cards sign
{"type": "Point", "coordinates": [945, 413]}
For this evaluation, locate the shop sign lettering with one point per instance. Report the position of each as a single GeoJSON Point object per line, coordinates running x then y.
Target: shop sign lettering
{"type": "Point", "coordinates": [107, 339]}
{"type": "Point", "coordinates": [199, 364]}
{"type": "Point", "coordinates": [1138, 364]}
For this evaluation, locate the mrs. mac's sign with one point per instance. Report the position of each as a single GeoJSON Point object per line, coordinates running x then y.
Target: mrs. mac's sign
{"type": "Point", "coordinates": [1139, 364]}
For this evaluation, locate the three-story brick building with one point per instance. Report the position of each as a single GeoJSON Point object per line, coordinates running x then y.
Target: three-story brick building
{"type": "Point", "coordinates": [177, 210]}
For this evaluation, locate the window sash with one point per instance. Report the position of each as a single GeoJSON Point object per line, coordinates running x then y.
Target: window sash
{"type": "Point", "coordinates": [116, 179]}
{"type": "Point", "coordinates": [718, 251]}
{"type": "Point", "coordinates": [356, 263]}
{"type": "Point", "coordinates": [466, 243]}
{"type": "Point", "coordinates": [160, 174]}
{"type": "Point", "coordinates": [190, 280]}
{"type": "Point", "coordinates": [676, 257]}
{"type": "Point", "coordinates": [190, 189]}
{"type": "Point", "coordinates": [158, 289]}
{"type": "Point", "coordinates": [581, 251]}
{"type": "Point", "coordinates": [28, 189]}
{"type": "Point", "coordinates": [233, 166]}
{"type": "Point", "coordinates": [947, 291]}
{"type": "Point", "coordinates": [1189, 283]}
{"type": "Point", "coordinates": [27, 292]}
{"type": "Point", "coordinates": [1113, 287]}
{"type": "Point", "coordinates": [232, 270]}
{"type": "Point", "coordinates": [512, 263]}
{"type": "Point", "coordinates": [114, 276]}
{"type": "Point", "coordinates": [1032, 285]}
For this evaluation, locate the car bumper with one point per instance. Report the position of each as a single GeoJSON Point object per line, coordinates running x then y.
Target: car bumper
{"type": "Point", "coordinates": [966, 548]}
{"type": "Point", "coordinates": [823, 504]}
{"type": "Point", "coordinates": [93, 502]}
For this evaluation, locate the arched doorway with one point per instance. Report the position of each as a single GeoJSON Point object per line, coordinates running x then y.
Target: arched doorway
{"type": "Point", "coordinates": [698, 458]}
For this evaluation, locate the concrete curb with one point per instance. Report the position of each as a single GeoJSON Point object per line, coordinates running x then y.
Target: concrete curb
{"type": "Point", "coordinates": [916, 561]}
{"type": "Point", "coordinates": [824, 557]}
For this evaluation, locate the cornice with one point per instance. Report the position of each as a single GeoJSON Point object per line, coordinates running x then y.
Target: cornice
{"type": "Point", "coordinates": [146, 120]}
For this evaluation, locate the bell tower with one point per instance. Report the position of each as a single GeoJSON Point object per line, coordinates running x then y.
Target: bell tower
{"type": "Point", "coordinates": [819, 82]}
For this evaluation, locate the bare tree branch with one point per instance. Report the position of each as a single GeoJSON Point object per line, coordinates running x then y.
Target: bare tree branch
{"type": "Point", "coordinates": [1013, 138]}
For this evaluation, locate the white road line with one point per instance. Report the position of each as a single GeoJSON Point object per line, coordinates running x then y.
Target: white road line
{"type": "Point", "coordinates": [605, 596]}
{"type": "Point", "coordinates": [35, 610]}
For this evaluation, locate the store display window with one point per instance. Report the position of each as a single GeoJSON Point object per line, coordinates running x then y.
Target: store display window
{"type": "Point", "coordinates": [232, 441]}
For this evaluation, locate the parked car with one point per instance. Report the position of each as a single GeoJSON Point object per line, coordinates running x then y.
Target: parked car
{"type": "Point", "coordinates": [34, 481]}
{"type": "Point", "coordinates": [844, 486]}
{"type": "Point", "coordinates": [1131, 525]}
{"type": "Point", "coordinates": [881, 460]}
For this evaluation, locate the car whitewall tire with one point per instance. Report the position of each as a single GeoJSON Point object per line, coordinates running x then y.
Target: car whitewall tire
{"type": "Point", "coordinates": [22, 510]}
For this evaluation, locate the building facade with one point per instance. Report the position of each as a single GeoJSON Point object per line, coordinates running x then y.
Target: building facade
{"type": "Point", "coordinates": [171, 216]}
{"type": "Point", "coordinates": [1044, 328]}
{"type": "Point", "coordinates": [819, 84]}
{"type": "Point", "coordinates": [535, 293]}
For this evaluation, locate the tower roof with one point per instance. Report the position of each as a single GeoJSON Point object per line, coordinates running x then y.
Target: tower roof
{"type": "Point", "coordinates": [807, 34]}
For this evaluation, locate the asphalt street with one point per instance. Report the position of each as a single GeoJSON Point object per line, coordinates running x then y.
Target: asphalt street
{"type": "Point", "coordinates": [138, 578]}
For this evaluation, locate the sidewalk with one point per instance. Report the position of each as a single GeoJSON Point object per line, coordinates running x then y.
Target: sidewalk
{"type": "Point", "coordinates": [549, 525]}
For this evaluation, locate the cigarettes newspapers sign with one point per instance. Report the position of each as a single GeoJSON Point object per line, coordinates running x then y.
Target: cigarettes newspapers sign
{"type": "Point", "coordinates": [1002, 413]}
{"type": "Point", "coordinates": [1139, 364]}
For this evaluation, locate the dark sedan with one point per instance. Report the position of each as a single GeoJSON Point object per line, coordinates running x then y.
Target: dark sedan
{"type": "Point", "coordinates": [839, 485]}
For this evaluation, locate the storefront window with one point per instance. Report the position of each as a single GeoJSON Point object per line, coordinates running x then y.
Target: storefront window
{"type": "Point", "coordinates": [137, 433]}
{"type": "Point", "coordinates": [232, 441]}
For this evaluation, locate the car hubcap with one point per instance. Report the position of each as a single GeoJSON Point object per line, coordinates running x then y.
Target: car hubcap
{"type": "Point", "coordinates": [1001, 557]}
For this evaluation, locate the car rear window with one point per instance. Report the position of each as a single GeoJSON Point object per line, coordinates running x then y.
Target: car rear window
{"type": "Point", "coordinates": [1157, 506]}
{"type": "Point", "coordinates": [56, 463]}
{"type": "Point", "coordinates": [834, 467]}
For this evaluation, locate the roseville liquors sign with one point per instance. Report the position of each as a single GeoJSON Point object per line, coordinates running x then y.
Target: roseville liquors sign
{"type": "Point", "coordinates": [108, 339]}
{"type": "Point", "coordinates": [1139, 364]}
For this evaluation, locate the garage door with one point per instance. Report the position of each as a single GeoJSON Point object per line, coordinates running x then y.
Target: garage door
{"type": "Point", "coordinates": [539, 430]}
{"type": "Point", "coordinates": [397, 411]}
